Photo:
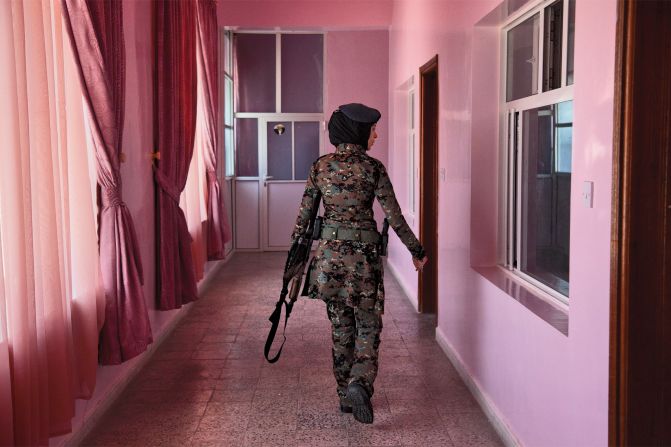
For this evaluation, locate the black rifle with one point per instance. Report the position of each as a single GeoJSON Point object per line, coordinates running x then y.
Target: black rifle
{"type": "Point", "coordinates": [292, 278]}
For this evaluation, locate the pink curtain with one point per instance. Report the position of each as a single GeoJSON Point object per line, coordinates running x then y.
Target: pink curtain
{"type": "Point", "coordinates": [175, 86]}
{"type": "Point", "coordinates": [96, 35]}
{"type": "Point", "coordinates": [193, 200]}
{"type": "Point", "coordinates": [49, 282]}
{"type": "Point", "coordinates": [218, 231]}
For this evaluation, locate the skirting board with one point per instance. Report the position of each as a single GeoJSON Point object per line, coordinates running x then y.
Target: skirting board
{"type": "Point", "coordinates": [121, 382]}
{"type": "Point", "coordinates": [404, 286]}
{"type": "Point", "coordinates": [488, 407]}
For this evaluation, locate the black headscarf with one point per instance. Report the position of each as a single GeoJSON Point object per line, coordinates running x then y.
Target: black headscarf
{"type": "Point", "coordinates": [344, 129]}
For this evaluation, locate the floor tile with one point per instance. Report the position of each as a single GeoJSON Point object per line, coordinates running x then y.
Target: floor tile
{"type": "Point", "coordinates": [209, 385]}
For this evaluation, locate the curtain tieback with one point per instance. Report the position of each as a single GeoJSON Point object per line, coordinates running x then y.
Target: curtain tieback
{"type": "Point", "coordinates": [212, 176]}
{"type": "Point", "coordinates": [166, 185]}
{"type": "Point", "coordinates": [111, 196]}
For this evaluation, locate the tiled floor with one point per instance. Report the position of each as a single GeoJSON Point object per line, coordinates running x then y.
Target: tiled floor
{"type": "Point", "coordinates": [209, 385]}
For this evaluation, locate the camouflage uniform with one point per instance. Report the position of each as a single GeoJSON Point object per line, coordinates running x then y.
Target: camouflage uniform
{"type": "Point", "coordinates": [348, 274]}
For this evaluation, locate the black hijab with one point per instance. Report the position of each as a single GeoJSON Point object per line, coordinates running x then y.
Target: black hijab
{"type": "Point", "coordinates": [344, 129]}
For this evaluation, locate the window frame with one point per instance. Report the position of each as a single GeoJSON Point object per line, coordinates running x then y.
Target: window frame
{"type": "Point", "coordinates": [227, 60]}
{"type": "Point", "coordinates": [412, 146]}
{"type": "Point", "coordinates": [511, 145]}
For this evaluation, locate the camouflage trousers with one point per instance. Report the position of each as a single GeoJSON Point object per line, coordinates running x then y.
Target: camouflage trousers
{"type": "Point", "coordinates": [356, 339]}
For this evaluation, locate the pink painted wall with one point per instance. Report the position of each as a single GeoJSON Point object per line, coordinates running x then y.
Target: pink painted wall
{"type": "Point", "coordinates": [305, 13]}
{"type": "Point", "coordinates": [357, 70]}
{"type": "Point", "coordinates": [550, 389]}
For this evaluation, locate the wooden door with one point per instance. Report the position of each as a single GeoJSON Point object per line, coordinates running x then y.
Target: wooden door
{"type": "Point", "coordinates": [640, 379]}
{"type": "Point", "coordinates": [428, 177]}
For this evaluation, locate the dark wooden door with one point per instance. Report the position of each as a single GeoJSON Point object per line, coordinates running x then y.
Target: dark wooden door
{"type": "Point", "coordinates": [640, 385]}
{"type": "Point", "coordinates": [428, 177]}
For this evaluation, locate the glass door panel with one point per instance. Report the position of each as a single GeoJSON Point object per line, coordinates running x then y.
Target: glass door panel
{"type": "Point", "coordinates": [279, 143]}
{"type": "Point", "coordinates": [288, 153]}
{"type": "Point", "coordinates": [306, 147]}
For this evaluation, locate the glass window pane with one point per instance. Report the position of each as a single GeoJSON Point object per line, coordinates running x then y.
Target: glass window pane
{"type": "Point", "coordinates": [230, 151]}
{"type": "Point", "coordinates": [564, 144]}
{"type": "Point", "coordinates": [522, 59]}
{"type": "Point", "coordinates": [411, 191]}
{"type": "Point", "coordinates": [545, 201]}
{"type": "Point", "coordinates": [228, 102]}
{"type": "Point", "coordinates": [306, 147]}
{"type": "Point", "coordinates": [228, 50]}
{"type": "Point", "coordinates": [564, 136]}
{"type": "Point", "coordinates": [571, 42]}
{"type": "Point", "coordinates": [552, 46]}
{"type": "Point", "coordinates": [255, 72]}
{"type": "Point", "coordinates": [279, 150]}
{"type": "Point", "coordinates": [247, 147]}
{"type": "Point", "coordinates": [565, 112]}
{"type": "Point", "coordinates": [411, 106]}
{"type": "Point", "coordinates": [302, 73]}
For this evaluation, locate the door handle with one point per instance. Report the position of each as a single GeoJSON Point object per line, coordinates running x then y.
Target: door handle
{"type": "Point", "coordinates": [265, 180]}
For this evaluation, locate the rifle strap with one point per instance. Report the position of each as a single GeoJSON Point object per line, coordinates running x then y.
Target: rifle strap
{"type": "Point", "coordinates": [275, 320]}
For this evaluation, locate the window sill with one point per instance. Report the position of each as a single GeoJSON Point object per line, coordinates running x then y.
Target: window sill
{"type": "Point", "coordinates": [541, 304]}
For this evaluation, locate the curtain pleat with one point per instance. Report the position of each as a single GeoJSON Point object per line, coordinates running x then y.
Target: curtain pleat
{"type": "Point", "coordinates": [218, 230]}
{"type": "Point", "coordinates": [96, 35]}
{"type": "Point", "coordinates": [175, 97]}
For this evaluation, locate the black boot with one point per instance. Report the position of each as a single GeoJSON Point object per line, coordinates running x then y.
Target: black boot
{"type": "Point", "coordinates": [345, 408]}
{"type": "Point", "coordinates": [361, 406]}
{"type": "Point", "coordinates": [345, 405]}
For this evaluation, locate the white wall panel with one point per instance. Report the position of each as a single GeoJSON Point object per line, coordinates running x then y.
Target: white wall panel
{"type": "Point", "coordinates": [247, 214]}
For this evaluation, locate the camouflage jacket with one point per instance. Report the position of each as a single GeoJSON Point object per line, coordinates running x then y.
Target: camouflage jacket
{"type": "Point", "coordinates": [349, 181]}
{"type": "Point", "coordinates": [345, 270]}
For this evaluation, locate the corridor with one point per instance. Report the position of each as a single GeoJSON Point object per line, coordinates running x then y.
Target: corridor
{"type": "Point", "coordinates": [209, 385]}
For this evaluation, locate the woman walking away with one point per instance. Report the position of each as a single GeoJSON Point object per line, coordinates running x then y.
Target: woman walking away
{"type": "Point", "coordinates": [346, 271]}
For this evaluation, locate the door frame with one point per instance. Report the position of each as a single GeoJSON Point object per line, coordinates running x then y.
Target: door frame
{"type": "Point", "coordinates": [640, 217]}
{"type": "Point", "coordinates": [428, 69]}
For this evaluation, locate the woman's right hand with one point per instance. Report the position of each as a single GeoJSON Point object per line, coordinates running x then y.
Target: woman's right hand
{"type": "Point", "coordinates": [419, 263]}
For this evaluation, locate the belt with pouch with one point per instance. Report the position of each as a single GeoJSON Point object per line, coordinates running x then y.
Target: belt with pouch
{"type": "Point", "coordinates": [350, 234]}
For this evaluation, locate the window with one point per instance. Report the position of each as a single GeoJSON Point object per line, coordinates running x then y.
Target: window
{"type": "Point", "coordinates": [538, 111]}
{"type": "Point", "coordinates": [279, 73]}
{"type": "Point", "coordinates": [412, 157]}
{"type": "Point", "coordinates": [279, 82]}
{"type": "Point", "coordinates": [229, 148]}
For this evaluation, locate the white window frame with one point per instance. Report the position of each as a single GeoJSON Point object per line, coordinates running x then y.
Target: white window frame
{"type": "Point", "coordinates": [412, 153]}
{"type": "Point", "coordinates": [229, 153]}
{"type": "Point", "coordinates": [511, 146]}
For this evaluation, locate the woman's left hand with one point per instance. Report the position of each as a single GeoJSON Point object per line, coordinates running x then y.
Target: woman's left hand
{"type": "Point", "coordinates": [419, 263]}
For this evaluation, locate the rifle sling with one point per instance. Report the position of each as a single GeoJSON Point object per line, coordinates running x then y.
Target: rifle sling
{"type": "Point", "coordinates": [275, 320]}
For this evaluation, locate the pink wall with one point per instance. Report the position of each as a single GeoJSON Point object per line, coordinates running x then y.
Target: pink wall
{"type": "Point", "coordinates": [305, 13]}
{"type": "Point", "coordinates": [550, 389]}
{"type": "Point", "coordinates": [357, 70]}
